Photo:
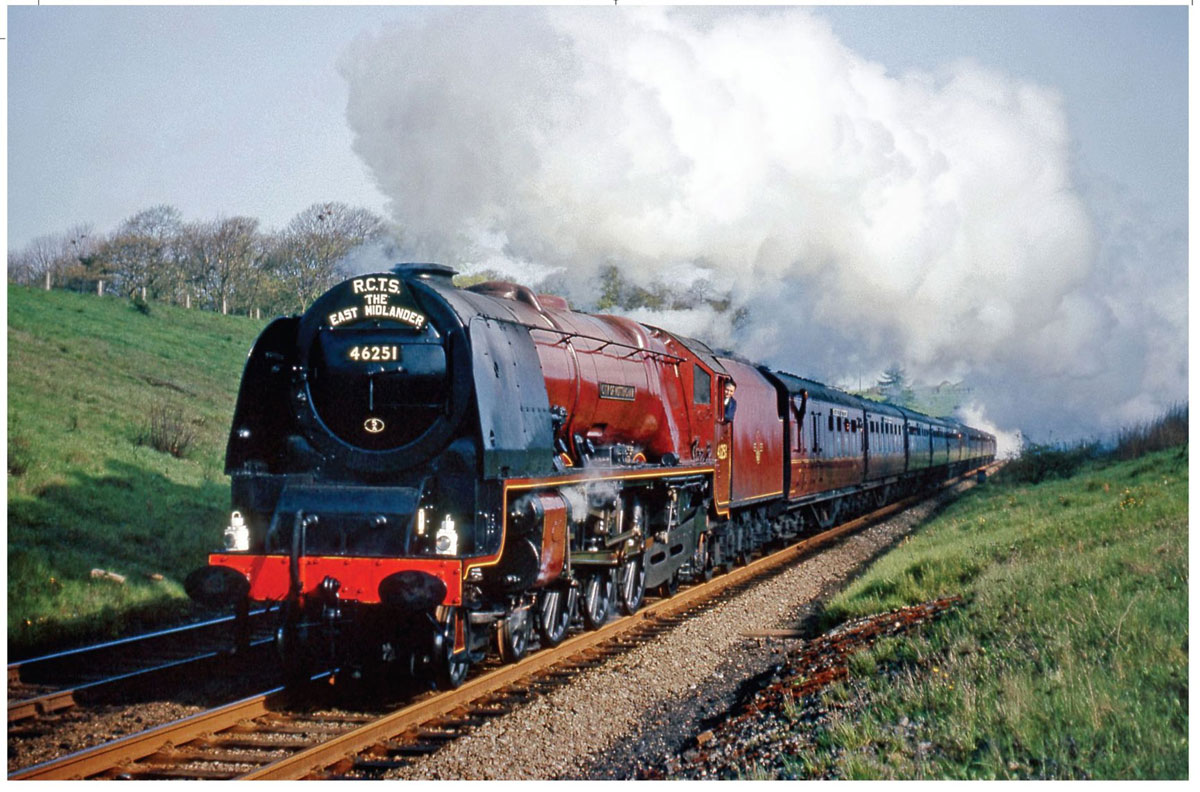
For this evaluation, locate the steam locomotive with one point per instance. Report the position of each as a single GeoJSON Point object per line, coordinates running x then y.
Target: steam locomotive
{"type": "Point", "coordinates": [423, 474]}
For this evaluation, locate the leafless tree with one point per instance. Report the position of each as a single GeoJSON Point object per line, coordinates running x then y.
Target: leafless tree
{"type": "Point", "coordinates": [224, 264]}
{"type": "Point", "coordinates": [143, 256]}
{"type": "Point", "coordinates": [222, 259]}
{"type": "Point", "coordinates": [309, 250]}
{"type": "Point", "coordinates": [54, 259]}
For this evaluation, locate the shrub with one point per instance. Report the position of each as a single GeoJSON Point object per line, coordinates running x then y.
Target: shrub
{"type": "Point", "coordinates": [1168, 431]}
{"type": "Point", "coordinates": [169, 432]}
{"type": "Point", "coordinates": [1038, 463]}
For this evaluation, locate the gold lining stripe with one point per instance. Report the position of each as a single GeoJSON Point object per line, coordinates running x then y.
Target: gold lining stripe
{"type": "Point", "coordinates": [577, 478]}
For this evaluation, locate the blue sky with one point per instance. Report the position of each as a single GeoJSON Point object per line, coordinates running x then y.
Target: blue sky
{"type": "Point", "coordinates": [241, 110]}
{"type": "Point", "coordinates": [830, 153]}
{"type": "Point", "coordinates": [219, 111]}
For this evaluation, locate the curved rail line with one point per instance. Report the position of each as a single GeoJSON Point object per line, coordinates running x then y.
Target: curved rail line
{"type": "Point", "coordinates": [259, 737]}
{"type": "Point", "coordinates": [62, 680]}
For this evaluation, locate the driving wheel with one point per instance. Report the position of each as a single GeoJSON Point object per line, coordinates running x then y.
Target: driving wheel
{"type": "Point", "coordinates": [513, 635]}
{"type": "Point", "coordinates": [597, 599]}
{"type": "Point", "coordinates": [554, 615]}
{"type": "Point", "coordinates": [631, 585]}
{"type": "Point", "coordinates": [450, 667]}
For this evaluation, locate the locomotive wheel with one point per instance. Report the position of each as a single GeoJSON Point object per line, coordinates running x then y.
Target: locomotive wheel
{"type": "Point", "coordinates": [703, 560]}
{"type": "Point", "coordinates": [631, 585]}
{"type": "Point", "coordinates": [449, 667]}
{"type": "Point", "coordinates": [597, 600]}
{"type": "Point", "coordinates": [554, 615]}
{"type": "Point", "coordinates": [513, 635]}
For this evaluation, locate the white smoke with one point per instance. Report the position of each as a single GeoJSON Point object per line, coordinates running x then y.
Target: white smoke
{"type": "Point", "coordinates": [857, 217]}
{"type": "Point", "coordinates": [1008, 443]}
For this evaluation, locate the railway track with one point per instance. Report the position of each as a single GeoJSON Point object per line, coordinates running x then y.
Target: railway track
{"type": "Point", "coordinates": [273, 736]}
{"type": "Point", "coordinates": [107, 672]}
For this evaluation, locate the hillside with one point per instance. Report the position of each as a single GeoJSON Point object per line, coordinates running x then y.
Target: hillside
{"type": "Point", "coordinates": [86, 488]}
{"type": "Point", "coordinates": [1068, 657]}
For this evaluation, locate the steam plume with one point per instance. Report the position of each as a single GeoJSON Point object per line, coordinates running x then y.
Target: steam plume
{"type": "Point", "coordinates": [859, 217]}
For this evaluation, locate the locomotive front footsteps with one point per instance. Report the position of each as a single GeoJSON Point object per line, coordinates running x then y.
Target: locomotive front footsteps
{"type": "Point", "coordinates": [423, 474]}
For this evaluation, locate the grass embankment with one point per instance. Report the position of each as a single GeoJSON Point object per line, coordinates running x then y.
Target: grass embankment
{"type": "Point", "coordinates": [1070, 657]}
{"type": "Point", "coordinates": [86, 487]}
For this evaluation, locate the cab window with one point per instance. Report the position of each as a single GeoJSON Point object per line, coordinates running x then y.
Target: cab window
{"type": "Point", "coordinates": [702, 387]}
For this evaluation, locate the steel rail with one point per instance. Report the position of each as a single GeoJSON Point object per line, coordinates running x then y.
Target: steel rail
{"type": "Point", "coordinates": [120, 753]}
{"type": "Point", "coordinates": [351, 743]}
{"type": "Point", "coordinates": [170, 632]}
{"type": "Point", "coordinates": [54, 701]}
{"type": "Point", "coordinates": [92, 761]}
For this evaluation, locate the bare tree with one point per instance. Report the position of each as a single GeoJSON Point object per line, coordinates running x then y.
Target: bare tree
{"type": "Point", "coordinates": [143, 253]}
{"type": "Point", "coordinates": [220, 264]}
{"type": "Point", "coordinates": [223, 258]}
{"type": "Point", "coordinates": [85, 269]}
{"type": "Point", "coordinates": [52, 259]}
{"type": "Point", "coordinates": [310, 249]}
{"type": "Point", "coordinates": [45, 258]}
{"type": "Point", "coordinates": [20, 268]}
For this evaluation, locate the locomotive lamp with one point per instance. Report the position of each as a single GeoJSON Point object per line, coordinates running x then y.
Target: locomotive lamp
{"type": "Point", "coordinates": [446, 541]}
{"type": "Point", "coordinates": [237, 534]}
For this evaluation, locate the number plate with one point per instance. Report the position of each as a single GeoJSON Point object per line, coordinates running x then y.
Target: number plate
{"type": "Point", "coordinates": [373, 353]}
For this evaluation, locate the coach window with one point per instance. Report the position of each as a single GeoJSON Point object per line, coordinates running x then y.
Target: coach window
{"type": "Point", "coordinates": [702, 387]}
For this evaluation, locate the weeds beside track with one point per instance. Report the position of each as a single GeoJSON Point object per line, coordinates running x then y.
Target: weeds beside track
{"type": "Point", "coordinates": [1069, 659]}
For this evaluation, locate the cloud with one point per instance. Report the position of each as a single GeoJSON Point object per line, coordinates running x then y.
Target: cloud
{"type": "Point", "coordinates": [858, 217]}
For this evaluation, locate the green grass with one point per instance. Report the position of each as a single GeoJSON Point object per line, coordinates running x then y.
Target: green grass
{"type": "Point", "coordinates": [1070, 658]}
{"type": "Point", "coordinates": [85, 489]}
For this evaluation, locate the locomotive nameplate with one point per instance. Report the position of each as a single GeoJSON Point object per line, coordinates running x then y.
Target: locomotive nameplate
{"type": "Point", "coordinates": [609, 390]}
{"type": "Point", "coordinates": [373, 302]}
{"type": "Point", "coordinates": [376, 285]}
